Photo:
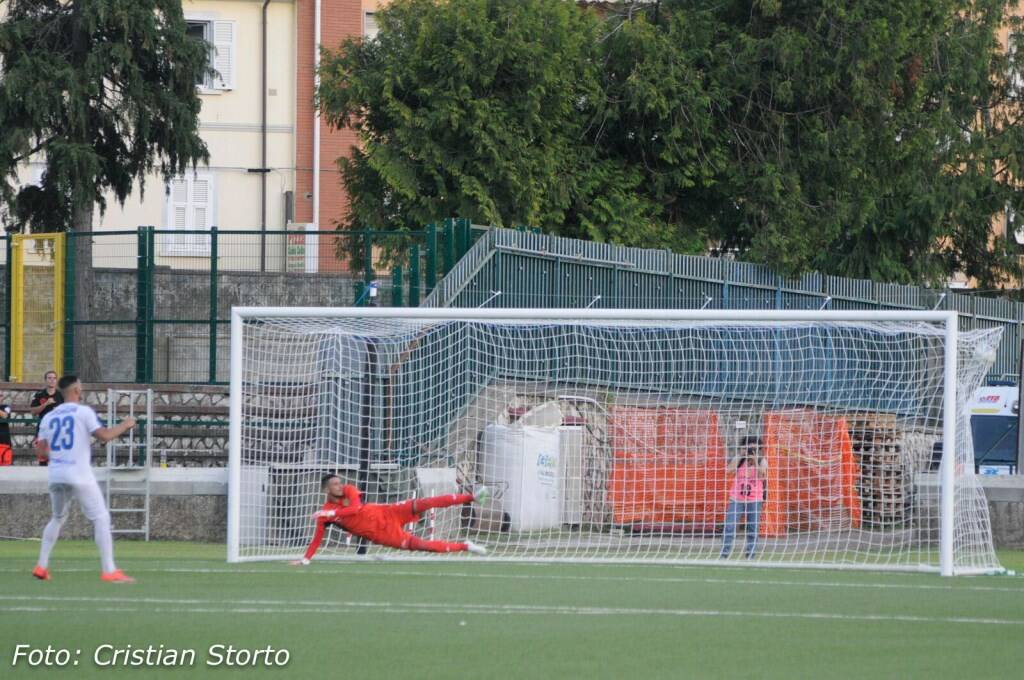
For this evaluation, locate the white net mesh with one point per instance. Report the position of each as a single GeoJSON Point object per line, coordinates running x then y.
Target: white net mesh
{"type": "Point", "coordinates": [811, 442]}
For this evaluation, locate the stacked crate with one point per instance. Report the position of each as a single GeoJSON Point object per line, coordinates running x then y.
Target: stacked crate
{"type": "Point", "coordinates": [878, 448]}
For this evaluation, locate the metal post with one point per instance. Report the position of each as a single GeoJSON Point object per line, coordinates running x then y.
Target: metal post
{"type": "Point", "coordinates": [7, 307]}
{"type": "Point", "coordinates": [367, 257]}
{"type": "Point", "coordinates": [449, 245]}
{"type": "Point", "coordinates": [1020, 411]}
{"type": "Point", "coordinates": [431, 257]}
{"type": "Point", "coordinates": [414, 276]}
{"type": "Point", "coordinates": [69, 302]}
{"type": "Point", "coordinates": [948, 470]}
{"type": "Point", "coordinates": [17, 309]}
{"type": "Point", "coordinates": [212, 376]}
{"type": "Point", "coordinates": [235, 438]}
{"type": "Point", "coordinates": [396, 287]}
{"type": "Point", "coordinates": [141, 285]}
{"type": "Point", "coordinates": [148, 453]}
{"type": "Point", "coordinates": [462, 237]}
{"type": "Point", "coordinates": [150, 302]}
{"type": "Point", "coordinates": [367, 424]}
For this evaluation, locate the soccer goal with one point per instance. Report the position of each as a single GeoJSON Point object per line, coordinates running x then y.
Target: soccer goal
{"type": "Point", "coordinates": [803, 438]}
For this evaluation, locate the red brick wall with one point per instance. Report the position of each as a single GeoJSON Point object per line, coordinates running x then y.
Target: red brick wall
{"type": "Point", "coordinates": [339, 19]}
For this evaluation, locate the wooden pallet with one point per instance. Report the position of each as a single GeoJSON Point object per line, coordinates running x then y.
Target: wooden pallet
{"type": "Point", "coordinates": [878, 448]}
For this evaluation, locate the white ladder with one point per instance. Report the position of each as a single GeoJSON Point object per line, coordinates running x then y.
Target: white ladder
{"type": "Point", "coordinates": [129, 462]}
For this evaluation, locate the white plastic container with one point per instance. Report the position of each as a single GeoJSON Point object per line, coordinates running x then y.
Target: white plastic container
{"type": "Point", "coordinates": [521, 462]}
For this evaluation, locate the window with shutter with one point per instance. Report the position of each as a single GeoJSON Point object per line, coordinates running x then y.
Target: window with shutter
{"type": "Point", "coordinates": [219, 37]}
{"type": "Point", "coordinates": [370, 28]}
{"type": "Point", "coordinates": [190, 208]}
{"type": "Point", "coordinates": [202, 31]}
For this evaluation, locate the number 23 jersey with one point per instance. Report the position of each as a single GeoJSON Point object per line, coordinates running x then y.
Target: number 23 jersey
{"type": "Point", "coordinates": [68, 430]}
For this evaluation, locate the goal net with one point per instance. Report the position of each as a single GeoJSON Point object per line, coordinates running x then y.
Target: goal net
{"type": "Point", "coordinates": [836, 439]}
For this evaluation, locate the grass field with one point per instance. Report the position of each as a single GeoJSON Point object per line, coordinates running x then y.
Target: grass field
{"type": "Point", "coordinates": [446, 619]}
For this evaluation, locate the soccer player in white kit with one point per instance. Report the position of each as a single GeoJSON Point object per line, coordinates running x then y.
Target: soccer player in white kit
{"type": "Point", "coordinates": [65, 437]}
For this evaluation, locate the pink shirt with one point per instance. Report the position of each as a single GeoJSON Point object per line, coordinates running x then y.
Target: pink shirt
{"type": "Point", "coordinates": [747, 486]}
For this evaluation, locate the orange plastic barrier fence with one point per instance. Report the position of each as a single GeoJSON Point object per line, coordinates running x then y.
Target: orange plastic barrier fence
{"type": "Point", "coordinates": [668, 468]}
{"type": "Point", "coordinates": [812, 476]}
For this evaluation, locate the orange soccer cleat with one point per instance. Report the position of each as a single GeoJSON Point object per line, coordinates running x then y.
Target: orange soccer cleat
{"type": "Point", "coordinates": [41, 573]}
{"type": "Point", "coordinates": [116, 576]}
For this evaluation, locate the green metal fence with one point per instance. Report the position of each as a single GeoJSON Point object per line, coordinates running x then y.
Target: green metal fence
{"type": "Point", "coordinates": [509, 268]}
{"type": "Point", "coordinates": [161, 300]}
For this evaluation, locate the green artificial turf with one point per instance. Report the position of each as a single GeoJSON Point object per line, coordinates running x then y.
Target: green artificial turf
{"type": "Point", "coordinates": [439, 618]}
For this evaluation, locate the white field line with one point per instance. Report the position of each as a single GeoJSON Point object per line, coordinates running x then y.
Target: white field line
{"type": "Point", "coordinates": [184, 605]}
{"type": "Point", "coordinates": [343, 572]}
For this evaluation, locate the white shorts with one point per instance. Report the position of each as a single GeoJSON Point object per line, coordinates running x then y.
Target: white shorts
{"type": "Point", "coordinates": [88, 495]}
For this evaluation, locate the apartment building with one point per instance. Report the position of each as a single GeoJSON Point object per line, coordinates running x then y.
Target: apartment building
{"type": "Point", "coordinates": [272, 161]}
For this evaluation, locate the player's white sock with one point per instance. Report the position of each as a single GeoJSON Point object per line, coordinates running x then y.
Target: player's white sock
{"type": "Point", "coordinates": [475, 548]}
{"type": "Point", "coordinates": [105, 543]}
{"type": "Point", "coordinates": [50, 535]}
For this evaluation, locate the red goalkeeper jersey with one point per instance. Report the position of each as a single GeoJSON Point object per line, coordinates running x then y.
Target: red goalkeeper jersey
{"type": "Point", "coordinates": [382, 524]}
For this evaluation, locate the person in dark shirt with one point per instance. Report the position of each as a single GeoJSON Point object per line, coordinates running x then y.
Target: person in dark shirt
{"type": "Point", "coordinates": [6, 455]}
{"type": "Point", "coordinates": [45, 400]}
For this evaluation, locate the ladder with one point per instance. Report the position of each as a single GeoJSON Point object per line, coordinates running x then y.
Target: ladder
{"type": "Point", "coordinates": [129, 463]}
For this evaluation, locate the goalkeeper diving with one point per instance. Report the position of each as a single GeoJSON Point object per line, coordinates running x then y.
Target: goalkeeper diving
{"type": "Point", "coordinates": [385, 524]}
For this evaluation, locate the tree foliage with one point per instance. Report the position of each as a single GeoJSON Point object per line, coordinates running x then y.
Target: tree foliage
{"type": "Point", "coordinates": [465, 108]}
{"type": "Point", "coordinates": [869, 139]}
{"type": "Point", "coordinates": [102, 90]}
{"type": "Point", "coordinates": [105, 92]}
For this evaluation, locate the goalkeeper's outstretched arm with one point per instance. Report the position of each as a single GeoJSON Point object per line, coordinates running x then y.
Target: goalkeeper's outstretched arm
{"type": "Point", "coordinates": [318, 538]}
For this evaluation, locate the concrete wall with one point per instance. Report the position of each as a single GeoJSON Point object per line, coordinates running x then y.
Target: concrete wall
{"type": "Point", "coordinates": [1006, 506]}
{"type": "Point", "coordinates": [186, 504]}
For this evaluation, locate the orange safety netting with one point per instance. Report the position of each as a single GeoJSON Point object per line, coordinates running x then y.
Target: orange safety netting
{"type": "Point", "coordinates": [812, 476]}
{"type": "Point", "coordinates": [668, 467]}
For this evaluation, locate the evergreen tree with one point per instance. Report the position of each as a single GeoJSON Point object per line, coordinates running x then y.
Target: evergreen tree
{"type": "Point", "coordinates": [105, 92]}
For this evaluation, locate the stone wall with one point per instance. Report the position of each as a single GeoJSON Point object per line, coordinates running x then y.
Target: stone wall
{"type": "Point", "coordinates": [186, 504]}
{"type": "Point", "coordinates": [200, 518]}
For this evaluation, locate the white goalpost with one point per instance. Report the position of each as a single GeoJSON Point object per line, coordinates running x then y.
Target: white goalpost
{"type": "Point", "coordinates": [835, 439]}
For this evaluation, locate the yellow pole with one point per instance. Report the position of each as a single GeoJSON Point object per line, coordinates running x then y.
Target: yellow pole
{"type": "Point", "coordinates": [58, 303]}
{"type": "Point", "coordinates": [17, 308]}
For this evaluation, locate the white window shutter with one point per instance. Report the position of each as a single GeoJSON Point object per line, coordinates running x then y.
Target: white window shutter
{"type": "Point", "coordinates": [370, 27]}
{"type": "Point", "coordinates": [200, 214]}
{"type": "Point", "coordinates": [224, 54]}
{"type": "Point", "coordinates": [177, 213]}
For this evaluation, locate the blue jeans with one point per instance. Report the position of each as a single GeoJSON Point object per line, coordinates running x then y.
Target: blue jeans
{"type": "Point", "coordinates": [751, 510]}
